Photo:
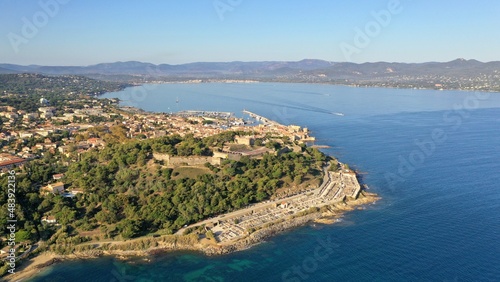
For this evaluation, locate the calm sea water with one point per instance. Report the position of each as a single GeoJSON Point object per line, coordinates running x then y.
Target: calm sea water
{"type": "Point", "coordinates": [432, 155]}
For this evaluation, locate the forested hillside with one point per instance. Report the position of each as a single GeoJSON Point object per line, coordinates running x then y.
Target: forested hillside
{"type": "Point", "coordinates": [127, 193]}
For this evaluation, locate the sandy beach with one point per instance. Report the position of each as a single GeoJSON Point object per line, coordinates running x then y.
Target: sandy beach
{"type": "Point", "coordinates": [31, 267]}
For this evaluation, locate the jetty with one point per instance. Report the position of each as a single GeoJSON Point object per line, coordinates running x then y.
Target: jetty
{"type": "Point", "coordinates": [261, 118]}
{"type": "Point", "coordinates": [320, 146]}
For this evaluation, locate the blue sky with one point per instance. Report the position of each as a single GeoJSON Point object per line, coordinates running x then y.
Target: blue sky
{"type": "Point", "coordinates": [85, 32]}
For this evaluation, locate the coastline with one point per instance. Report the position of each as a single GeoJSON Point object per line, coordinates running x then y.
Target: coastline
{"type": "Point", "coordinates": [32, 267]}
{"type": "Point", "coordinates": [254, 81]}
{"type": "Point", "coordinates": [37, 264]}
{"type": "Point", "coordinates": [332, 208]}
{"type": "Point", "coordinates": [304, 82]}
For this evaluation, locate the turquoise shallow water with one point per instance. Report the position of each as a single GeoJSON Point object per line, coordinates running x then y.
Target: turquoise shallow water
{"type": "Point", "coordinates": [439, 216]}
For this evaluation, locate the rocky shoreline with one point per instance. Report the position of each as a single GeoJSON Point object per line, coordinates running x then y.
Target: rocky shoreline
{"type": "Point", "coordinates": [253, 239]}
{"type": "Point", "coordinates": [171, 243]}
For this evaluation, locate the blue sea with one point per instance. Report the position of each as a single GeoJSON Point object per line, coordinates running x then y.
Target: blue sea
{"type": "Point", "coordinates": [433, 157]}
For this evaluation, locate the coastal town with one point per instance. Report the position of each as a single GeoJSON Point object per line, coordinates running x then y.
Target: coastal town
{"type": "Point", "coordinates": [78, 156]}
{"type": "Point", "coordinates": [249, 141]}
{"type": "Point", "coordinates": [32, 135]}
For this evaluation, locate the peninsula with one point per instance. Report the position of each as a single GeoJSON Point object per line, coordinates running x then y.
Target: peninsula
{"type": "Point", "coordinates": [95, 179]}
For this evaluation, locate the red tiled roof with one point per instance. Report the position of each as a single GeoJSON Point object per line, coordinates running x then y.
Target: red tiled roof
{"type": "Point", "coordinates": [13, 161]}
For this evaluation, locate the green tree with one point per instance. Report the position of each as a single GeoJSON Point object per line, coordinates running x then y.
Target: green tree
{"type": "Point", "coordinates": [66, 215]}
{"type": "Point", "coordinates": [128, 228]}
{"type": "Point", "coordinates": [23, 236]}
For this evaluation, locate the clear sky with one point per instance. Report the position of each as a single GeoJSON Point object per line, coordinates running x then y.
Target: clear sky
{"type": "Point", "coordinates": [85, 32]}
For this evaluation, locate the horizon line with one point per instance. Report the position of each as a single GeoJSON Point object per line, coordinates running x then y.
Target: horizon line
{"type": "Point", "coordinates": [238, 61]}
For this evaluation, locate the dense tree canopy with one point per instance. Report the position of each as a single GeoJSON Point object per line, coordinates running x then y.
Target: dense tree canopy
{"type": "Point", "coordinates": [132, 194]}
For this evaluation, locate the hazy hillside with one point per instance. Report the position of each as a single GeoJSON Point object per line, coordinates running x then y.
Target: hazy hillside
{"type": "Point", "coordinates": [456, 74]}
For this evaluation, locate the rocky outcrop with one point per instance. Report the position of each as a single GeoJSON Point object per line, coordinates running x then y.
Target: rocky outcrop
{"type": "Point", "coordinates": [183, 243]}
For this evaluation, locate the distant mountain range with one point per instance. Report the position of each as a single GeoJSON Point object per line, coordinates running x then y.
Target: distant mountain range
{"type": "Point", "coordinates": [453, 74]}
{"type": "Point", "coordinates": [201, 68]}
{"type": "Point", "coordinates": [266, 68]}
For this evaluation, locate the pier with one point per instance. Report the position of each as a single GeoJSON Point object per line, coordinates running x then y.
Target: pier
{"type": "Point", "coordinates": [320, 146]}
{"type": "Point", "coordinates": [261, 118]}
